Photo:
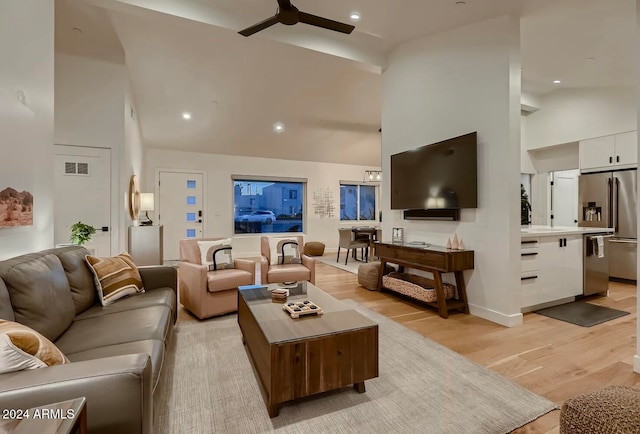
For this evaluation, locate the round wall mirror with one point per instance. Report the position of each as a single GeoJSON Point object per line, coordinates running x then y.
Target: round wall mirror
{"type": "Point", "coordinates": [134, 197]}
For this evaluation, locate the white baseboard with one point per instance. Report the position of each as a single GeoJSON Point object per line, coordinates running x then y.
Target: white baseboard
{"type": "Point", "coordinates": [495, 316]}
{"type": "Point", "coordinates": [636, 363]}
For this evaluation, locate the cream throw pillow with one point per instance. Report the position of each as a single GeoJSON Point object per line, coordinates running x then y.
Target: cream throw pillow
{"type": "Point", "coordinates": [284, 250]}
{"type": "Point", "coordinates": [24, 348]}
{"type": "Point", "coordinates": [220, 250]}
{"type": "Point", "coordinates": [115, 277]}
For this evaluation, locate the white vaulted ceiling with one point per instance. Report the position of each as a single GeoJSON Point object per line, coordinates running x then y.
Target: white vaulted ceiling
{"type": "Point", "coordinates": [325, 87]}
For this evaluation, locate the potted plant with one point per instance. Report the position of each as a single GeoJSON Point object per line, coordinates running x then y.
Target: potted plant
{"type": "Point", "coordinates": [525, 207]}
{"type": "Point", "coordinates": [81, 233]}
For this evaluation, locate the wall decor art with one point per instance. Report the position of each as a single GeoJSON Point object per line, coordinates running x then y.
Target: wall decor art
{"type": "Point", "coordinates": [16, 207]}
{"type": "Point", "coordinates": [323, 205]}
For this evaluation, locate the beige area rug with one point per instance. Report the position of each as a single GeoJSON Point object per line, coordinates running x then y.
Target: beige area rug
{"type": "Point", "coordinates": [330, 259]}
{"type": "Point", "coordinates": [423, 387]}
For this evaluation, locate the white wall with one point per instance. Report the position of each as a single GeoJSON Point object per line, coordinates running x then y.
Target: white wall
{"type": "Point", "coordinates": [219, 190]}
{"type": "Point", "coordinates": [459, 81]}
{"type": "Point", "coordinates": [93, 108]}
{"type": "Point", "coordinates": [132, 159]}
{"type": "Point", "coordinates": [27, 53]}
{"type": "Point", "coordinates": [570, 115]}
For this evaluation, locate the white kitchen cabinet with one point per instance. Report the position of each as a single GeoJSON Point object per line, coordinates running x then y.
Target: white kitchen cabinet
{"type": "Point", "coordinates": [551, 269]}
{"type": "Point", "coordinates": [618, 151]}
{"type": "Point", "coordinates": [626, 148]}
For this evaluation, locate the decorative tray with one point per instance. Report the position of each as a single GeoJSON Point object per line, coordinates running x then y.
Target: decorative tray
{"type": "Point", "coordinates": [296, 309]}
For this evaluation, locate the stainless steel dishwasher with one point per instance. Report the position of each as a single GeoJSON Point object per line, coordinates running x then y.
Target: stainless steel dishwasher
{"type": "Point", "coordinates": [596, 264]}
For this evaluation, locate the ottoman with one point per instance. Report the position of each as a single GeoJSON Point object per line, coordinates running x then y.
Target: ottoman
{"type": "Point", "coordinates": [368, 274]}
{"type": "Point", "coordinates": [612, 410]}
{"type": "Point", "coordinates": [314, 248]}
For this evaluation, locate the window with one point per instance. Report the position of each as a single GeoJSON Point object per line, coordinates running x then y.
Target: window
{"type": "Point", "coordinates": [357, 202]}
{"type": "Point", "coordinates": [263, 205]}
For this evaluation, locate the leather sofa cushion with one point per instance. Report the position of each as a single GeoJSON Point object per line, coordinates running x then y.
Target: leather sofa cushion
{"type": "Point", "coordinates": [156, 297]}
{"type": "Point", "coordinates": [83, 289]}
{"type": "Point", "coordinates": [154, 348]}
{"type": "Point", "coordinates": [223, 280]}
{"type": "Point", "coordinates": [6, 311]}
{"type": "Point", "coordinates": [40, 294]}
{"type": "Point", "coordinates": [151, 322]}
{"type": "Point", "coordinates": [288, 273]}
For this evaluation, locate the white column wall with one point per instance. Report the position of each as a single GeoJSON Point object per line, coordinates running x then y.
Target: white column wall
{"type": "Point", "coordinates": [27, 53]}
{"type": "Point", "coordinates": [443, 86]}
{"type": "Point", "coordinates": [218, 201]}
{"type": "Point", "coordinates": [93, 108]}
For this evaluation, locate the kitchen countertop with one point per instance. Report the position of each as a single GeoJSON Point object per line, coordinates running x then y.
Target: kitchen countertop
{"type": "Point", "coordinates": [538, 231]}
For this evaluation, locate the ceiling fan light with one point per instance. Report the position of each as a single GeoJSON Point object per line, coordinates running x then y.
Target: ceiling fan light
{"type": "Point", "coordinates": [354, 16]}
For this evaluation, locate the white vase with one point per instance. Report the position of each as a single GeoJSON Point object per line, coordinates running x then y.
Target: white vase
{"type": "Point", "coordinates": [448, 243]}
{"type": "Point", "coordinates": [461, 245]}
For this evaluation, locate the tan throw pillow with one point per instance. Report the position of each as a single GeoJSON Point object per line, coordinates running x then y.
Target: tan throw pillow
{"type": "Point", "coordinates": [24, 348]}
{"type": "Point", "coordinates": [115, 277]}
{"type": "Point", "coordinates": [284, 251]}
{"type": "Point", "coordinates": [216, 254]}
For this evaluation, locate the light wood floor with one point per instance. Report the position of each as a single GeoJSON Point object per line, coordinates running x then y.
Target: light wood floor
{"type": "Point", "coordinates": [552, 358]}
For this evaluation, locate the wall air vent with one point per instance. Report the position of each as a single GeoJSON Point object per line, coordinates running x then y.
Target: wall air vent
{"type": "Point", "coordinates": [74, 168]}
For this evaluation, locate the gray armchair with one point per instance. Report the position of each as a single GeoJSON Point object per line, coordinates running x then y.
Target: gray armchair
{"type": "Point", "coordinates": [348, 241]}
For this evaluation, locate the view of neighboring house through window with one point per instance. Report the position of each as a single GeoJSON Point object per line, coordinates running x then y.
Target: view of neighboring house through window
{"type": "Point", "coordinates": [262, 205]}
{"type": "Point", "coordinates": [357, 202]}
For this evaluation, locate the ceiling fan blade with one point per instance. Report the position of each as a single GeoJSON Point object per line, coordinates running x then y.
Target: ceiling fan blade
{"type": "Point", "coordinates": [260, 26]}
{"type": "Point", "coordinates": [285, 4]}
{"type": "Point", "coordinates": [325, 23]}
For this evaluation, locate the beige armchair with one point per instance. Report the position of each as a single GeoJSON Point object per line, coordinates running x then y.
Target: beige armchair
{"type": "Point", "coordinates": [286, 272]}
{"type": "Point", "coordinates": [209, 293]}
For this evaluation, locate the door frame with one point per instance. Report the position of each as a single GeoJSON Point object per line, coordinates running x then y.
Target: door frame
{"type": "Point", "coordinates": [156, 190]}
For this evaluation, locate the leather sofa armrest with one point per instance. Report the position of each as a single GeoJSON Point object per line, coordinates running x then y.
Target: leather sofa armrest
{"type": "Point", "coordinates": [246, 265]}
{"type": "Point", "coordinates": [264, 270]}
{"type": "Point", "coordinates": [119, 391]}
{"type": "Point", "coordinates": [310, 263]}
{"type": "Point", "coordinates": [159, 276]}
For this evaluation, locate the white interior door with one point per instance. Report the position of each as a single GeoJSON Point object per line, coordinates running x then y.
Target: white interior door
{"type": "Point", "coordinates": [82, 178]}
{"type": "Point", "coordinates": [564, 198]}
{"type": "Point", "coordinates": [180, 209]}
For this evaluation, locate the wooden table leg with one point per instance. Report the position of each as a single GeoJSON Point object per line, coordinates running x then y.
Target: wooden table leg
{"type": "Point", "coordinates": [359, 387]}
{"type": "Point", "coordinates": [274, 410]}
{"type": "Point", "coordinates": [442, 301]}
{"type": "Point", "coordinates": [462, 290]}
{"type": "Point", "coordinates": [383, 263]}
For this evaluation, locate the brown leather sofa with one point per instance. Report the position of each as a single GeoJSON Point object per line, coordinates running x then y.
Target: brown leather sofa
{"type": "Point", "coordinates": [116, 351]}
{"type": "Point", "coordinates": [207, 293]}
{"type": "Point", "coordinates": [285, 272]}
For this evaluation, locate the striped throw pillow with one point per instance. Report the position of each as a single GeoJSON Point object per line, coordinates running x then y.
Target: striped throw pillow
{"type": "Point", "coordinates": [115, 277]}
{"type": "Point", "coordinates": [24, 348]}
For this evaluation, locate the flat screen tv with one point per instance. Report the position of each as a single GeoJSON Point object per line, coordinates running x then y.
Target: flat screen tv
{"type": "Point", "coordinates": [442, 175]}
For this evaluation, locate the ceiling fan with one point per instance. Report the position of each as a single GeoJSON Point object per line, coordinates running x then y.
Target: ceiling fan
{"type": "Point", "coordinates": [289, 15]}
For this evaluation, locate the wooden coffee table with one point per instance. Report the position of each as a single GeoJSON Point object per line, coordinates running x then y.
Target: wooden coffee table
{"type": "Point", "coordinates": [299, 357]}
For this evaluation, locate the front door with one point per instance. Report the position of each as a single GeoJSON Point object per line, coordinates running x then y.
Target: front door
{"type": "Point", "coordinates": [180, 209]}
{"type": "Point", "coordinates": [82, 178]}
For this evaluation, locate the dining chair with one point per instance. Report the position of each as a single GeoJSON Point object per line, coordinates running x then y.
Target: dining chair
{"type": "Point", "coordinates": [348, 241]}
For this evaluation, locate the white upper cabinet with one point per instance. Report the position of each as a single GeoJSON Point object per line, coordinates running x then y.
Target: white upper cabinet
{"type": "Point", "coordinates": [626, 148]}
{"type": "Point", "coordinates": [618, 151]}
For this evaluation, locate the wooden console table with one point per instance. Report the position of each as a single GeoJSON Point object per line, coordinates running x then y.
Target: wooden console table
{"type": "Point", "coordinates": [436, 260]}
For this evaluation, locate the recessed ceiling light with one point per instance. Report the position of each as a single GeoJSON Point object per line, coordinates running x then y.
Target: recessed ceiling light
{"type": "Point", "coordinates": [556, 82]}
{"type": "Point", "coordinates": [186, 115]}
{"type": "Point", "coordinates": [355, 16]}
{"type": "Point", "coordinates": [461, 3]}
{"type": "Point", "coordinates": [591, 58]}
{"type": "Point", "coordinates": [77, 29]}
{"type": "Point", "coordinates": [278, 127]}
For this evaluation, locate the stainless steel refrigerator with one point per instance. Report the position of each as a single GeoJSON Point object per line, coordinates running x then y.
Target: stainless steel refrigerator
{"type": "Point", "coordinates": [608, 200]}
